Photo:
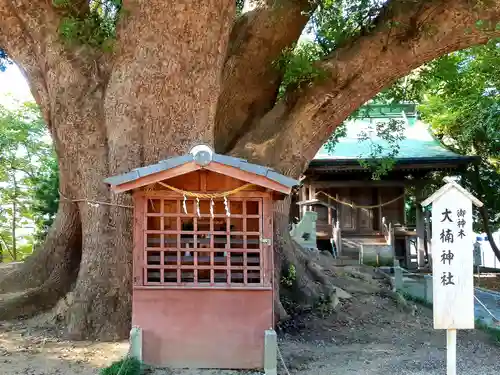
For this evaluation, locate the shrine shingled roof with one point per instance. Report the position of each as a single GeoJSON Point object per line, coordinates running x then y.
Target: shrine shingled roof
{"type": "Point", "coordinates": [178, 161]}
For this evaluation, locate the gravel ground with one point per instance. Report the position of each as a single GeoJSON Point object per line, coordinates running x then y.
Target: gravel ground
{"type": "Point", "coordinates": [385, 341]}
{"type": "Point", "coordinates": [368, 335]}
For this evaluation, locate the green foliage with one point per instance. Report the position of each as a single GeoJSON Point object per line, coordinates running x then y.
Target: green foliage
{"type": "Point", "coordinates": [333, 23]}
{"type": "Point", "coordinates": [463, 107]}
{"type": "Point", "coordinates": [410, 206]}
{"type": "Point", "coordinates": [337, 21]}
{"type": "Point", "coordinates": [381, 160]}
{"type": "Point", "coordinates": [419, 300]}
{"type": "Point", "coordinates": [324, 306]}
{"type": "Point", "coordinates": [4, 60]}
{"type": "Point", "coordinates": [239, 6]}
{"type": "Point", "coordinates": [381, 262]}
{"type": "Point", "coordinates": [26, 163]}
{"type": "Point", "coordinates": [45, 197]}
{"type": "Point", "coordinates": [61, 3]}
{"type": "Point", "coordinates": [297, 66]}
{"type": "Point", "coordinates": [126, 366]}
{"type": "Point", "coordinates": [288, 289]}
{"type": "Point", "coordinates": [289, 277]}
{"type": "Point", "coordinates": [461, 101]}
{"type": "Point", "coordinates": [340, 131]}
{"type": "Point", "coordinates": [95, 28]}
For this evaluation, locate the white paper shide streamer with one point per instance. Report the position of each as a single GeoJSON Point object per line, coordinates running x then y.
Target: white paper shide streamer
{"type": "Point", "coordinates": [226, 206]}
{"type": "Point", "coordinates": [212, 207]}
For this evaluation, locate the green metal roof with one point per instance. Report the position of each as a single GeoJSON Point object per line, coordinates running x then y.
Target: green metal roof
{"type": "Point", "coordinates": [418, 144]}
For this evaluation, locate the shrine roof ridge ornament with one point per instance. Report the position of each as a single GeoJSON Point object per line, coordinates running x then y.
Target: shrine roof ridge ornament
{"type": "Point", "coordinates": [202, 155]}
{"type": "Point", "coordinates": [450, 184]}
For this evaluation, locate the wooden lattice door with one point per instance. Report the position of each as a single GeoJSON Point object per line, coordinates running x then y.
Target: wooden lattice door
{"type": "Point", "coordinates": [191, 244]}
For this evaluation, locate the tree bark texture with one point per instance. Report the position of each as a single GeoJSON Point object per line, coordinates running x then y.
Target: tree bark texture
{"type": "Point", "coordinates": [184, 72]}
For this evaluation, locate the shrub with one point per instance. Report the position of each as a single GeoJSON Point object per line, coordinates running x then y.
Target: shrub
{"type": "Point", "coordinates": [126, 366]}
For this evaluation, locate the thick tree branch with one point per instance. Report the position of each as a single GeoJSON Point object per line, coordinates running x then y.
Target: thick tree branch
{"type": "Point", "coordinates": [407, 35]}
{"type": "Point", "coordinates": [66, 81]}
{"type": "Point", "coordinates": [20, 44]}
{"type": "Point", "coordinates": [250, 81]}
{"type": "Point", "coordinates": [29, 34]}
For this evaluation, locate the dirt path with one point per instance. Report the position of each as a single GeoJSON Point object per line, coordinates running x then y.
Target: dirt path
{"type": "Point", "coordinates": [29, 350]}
{"type": "Point", "coordinates": [369, 335]}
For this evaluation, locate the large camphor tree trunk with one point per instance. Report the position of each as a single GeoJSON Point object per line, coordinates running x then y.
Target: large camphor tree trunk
{"type": "Point", "coordinates": [184, 72]}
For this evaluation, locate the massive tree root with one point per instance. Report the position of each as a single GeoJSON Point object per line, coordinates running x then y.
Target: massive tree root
{"type": "Point", "coordinates": [100, 304]}
{"type": "Point", "coordinates": [35, 300]}
{"type": "Point", "coordinates": [318, 283]}
{"type": "Point", "coordinates": [305, 280]}
{"type": "Point", "coordinates": [63, 237]}
{"type": "Point", "coordinates": [37, 284]}
{"type": "Point", "coordinates": [90, 279]}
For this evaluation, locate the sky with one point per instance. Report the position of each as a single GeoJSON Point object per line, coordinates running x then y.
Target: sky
{"type": "Point", "coordinates": [13, 87]}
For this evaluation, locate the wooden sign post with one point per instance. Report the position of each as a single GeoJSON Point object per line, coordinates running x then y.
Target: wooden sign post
{"type": "Point", "coordinates": [452, 265]}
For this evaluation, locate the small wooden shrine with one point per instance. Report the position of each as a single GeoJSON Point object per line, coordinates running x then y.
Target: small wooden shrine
{"type": "Point", "coordinates": [203, 260]}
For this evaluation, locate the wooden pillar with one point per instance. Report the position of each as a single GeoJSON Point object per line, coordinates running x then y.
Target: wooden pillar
{"type": "Point", "coordinates": [338, 223]}
{"type": "Point", "coordinates": [312, 192]}
{"type": "Point", "coordinates": [337, 238]}
{"type": "Point", "coordinates": [303, 197]}
{"type": "Point", "coordinates": [379, 201]}
{"type": "Point", "coordinates": [403, 206]}
{"type": "Point", "coordinates": [391, 239]}
{"type": "Point", "coordinates": [420, 230]}
{"type": "Point", "coordinates": [407, 253]}
{"type": "Point", "coordinates": [312, 195]}
{"type": "Point", "coordinates": [330, 213]}
{"type": "Point", "coordinates": [427, 229]}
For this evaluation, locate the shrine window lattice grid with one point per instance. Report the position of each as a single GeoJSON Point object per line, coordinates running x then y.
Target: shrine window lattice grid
{"type": "Point", "coordinates": [204, 247]}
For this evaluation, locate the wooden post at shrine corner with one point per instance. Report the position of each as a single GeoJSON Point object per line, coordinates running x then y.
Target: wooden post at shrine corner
{"type": "Point", "coordinates": [452, 265]}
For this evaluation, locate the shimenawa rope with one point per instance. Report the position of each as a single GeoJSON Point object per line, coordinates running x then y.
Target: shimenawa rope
{"type": "Point", "coordinates": [93, 202]}
{"type": "Point", "coordinates": [353, 205]}
{"type": "Point", "coordinates": [180, 191]}
{"type": "Point", "coordinates": [206, 195]}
